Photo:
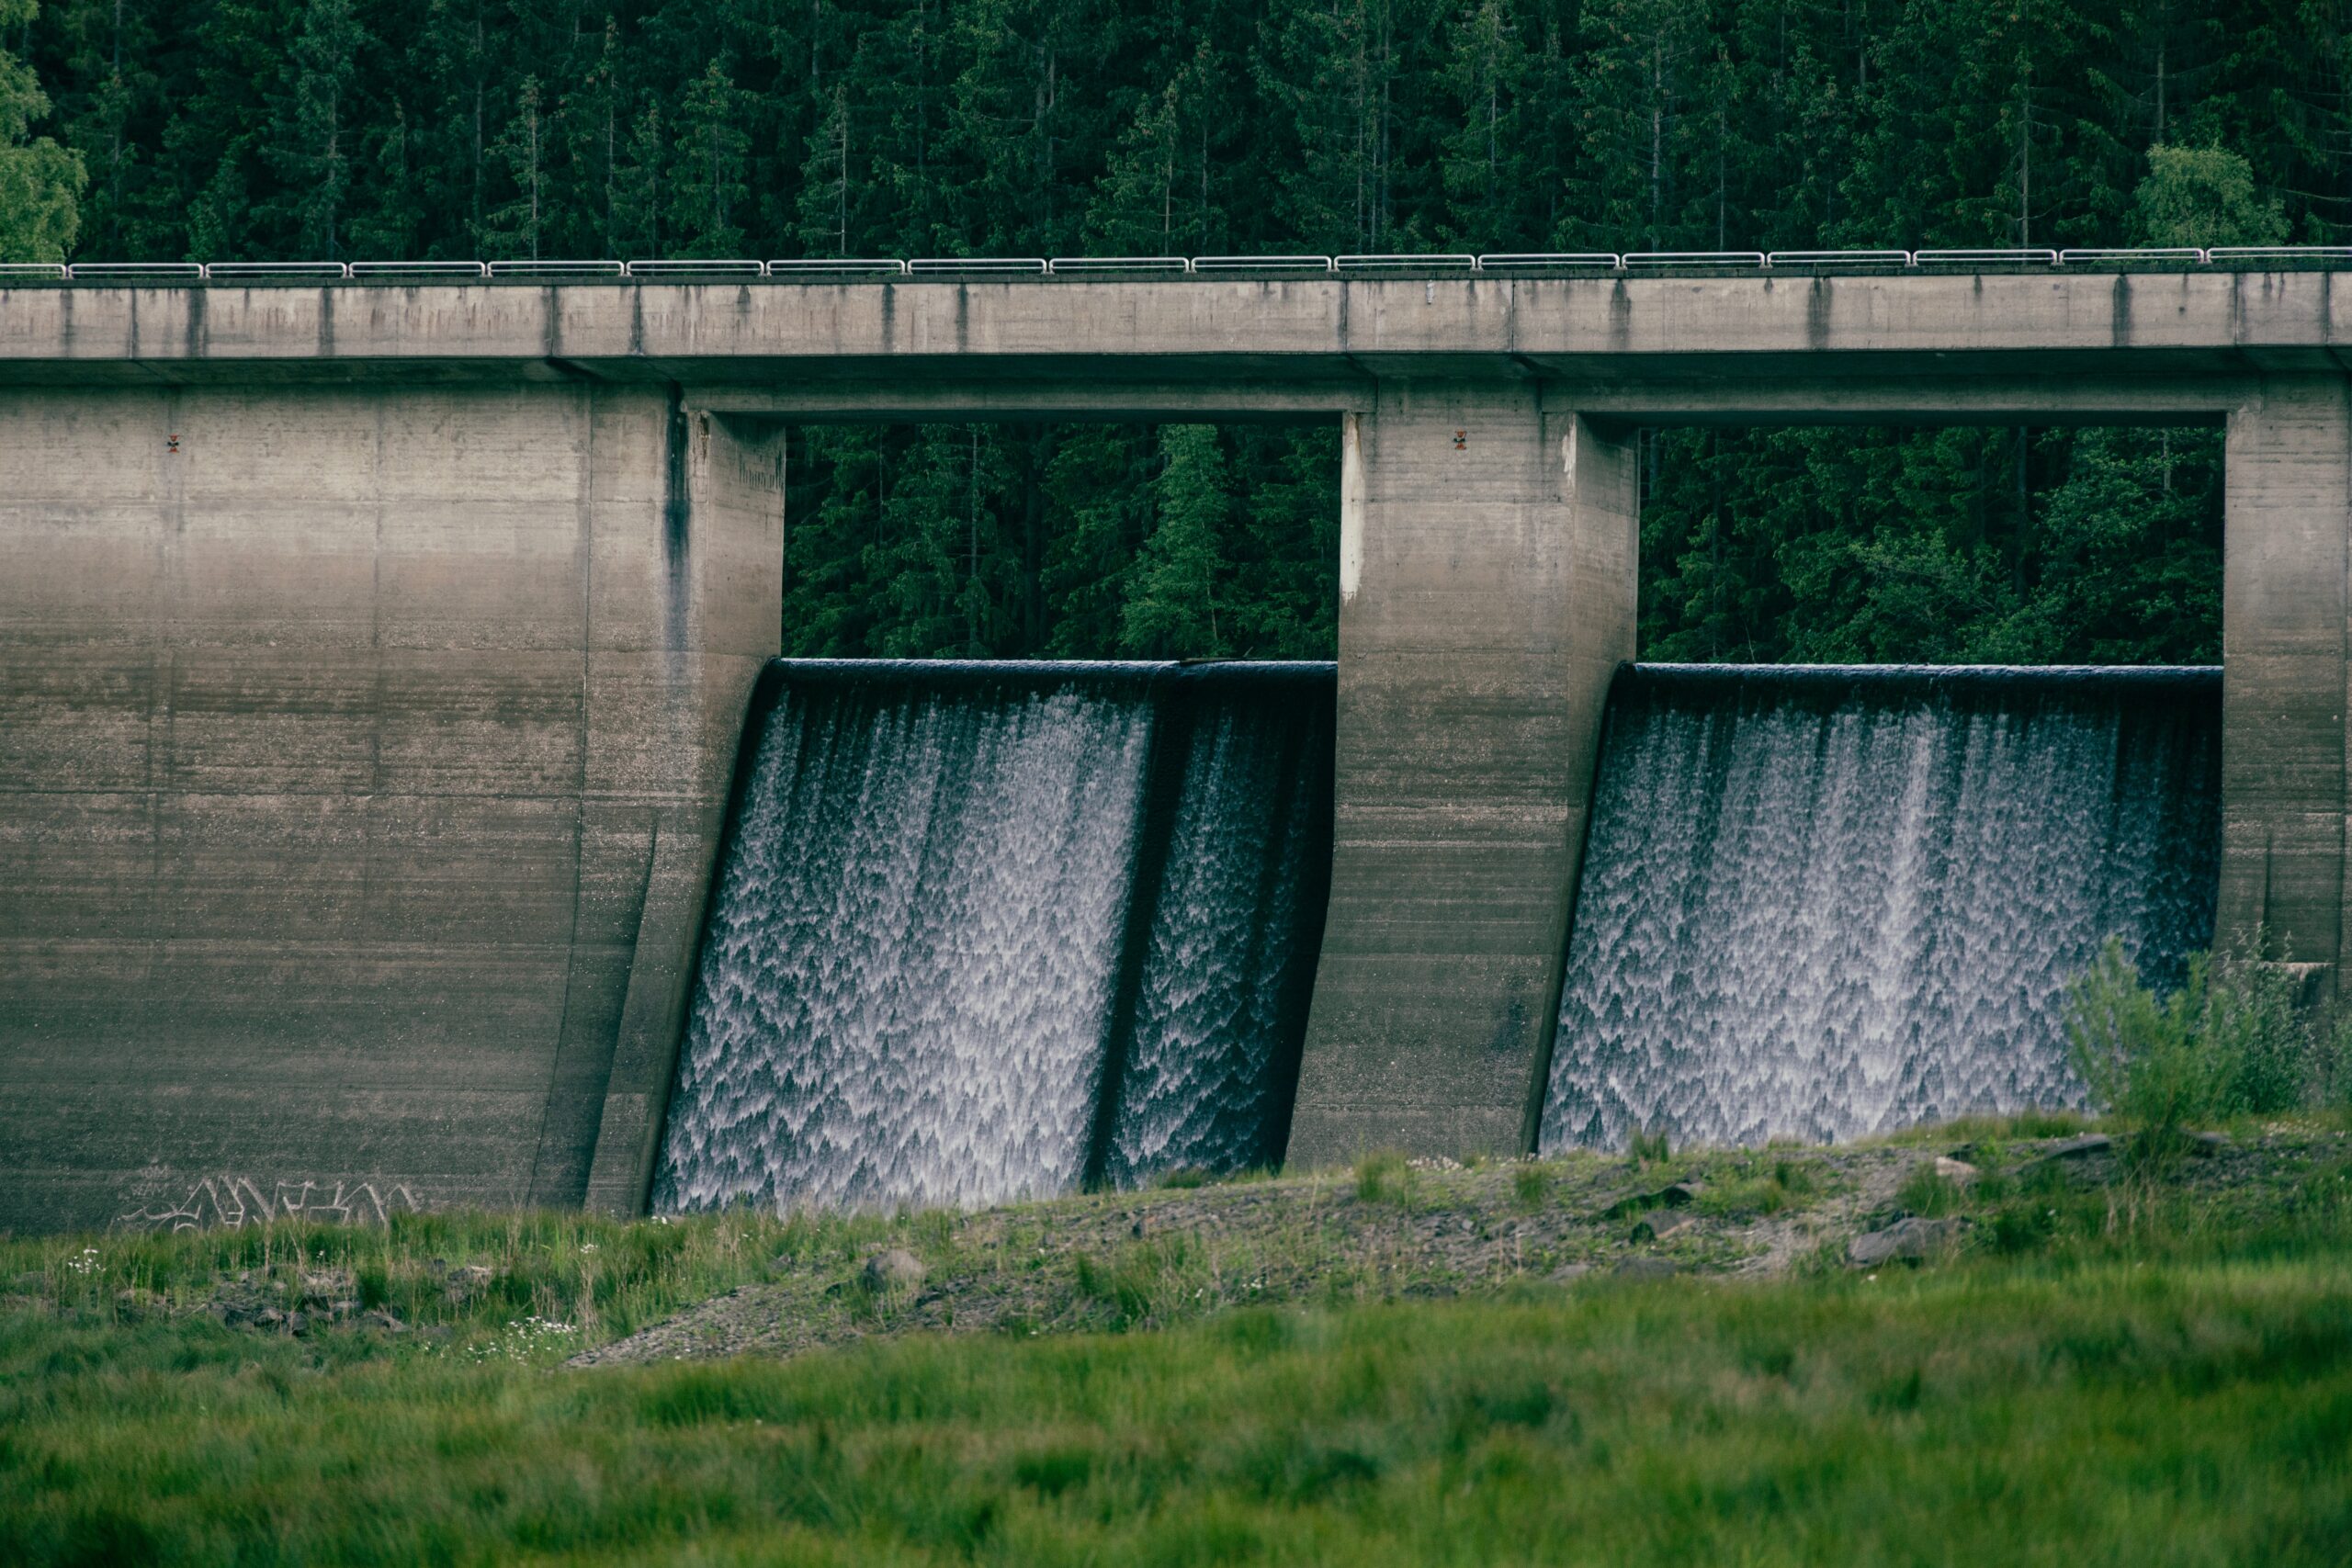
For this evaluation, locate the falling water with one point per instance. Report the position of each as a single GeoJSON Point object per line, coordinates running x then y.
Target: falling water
{"type": "Point", "coordinates": [1235, 926]}
{"type": "Point", "coordinates": [1822, 902]}
{"type": "Point", "coordinates": [982, 931]}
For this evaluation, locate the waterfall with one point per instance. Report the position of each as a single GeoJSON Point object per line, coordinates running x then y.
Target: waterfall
{"type": "Point", "coordinates": [980, 931]}
{"type": "Point", "coordinates": [1824, 902]}
{"type": "Point", "coordinates": [1234, 926]}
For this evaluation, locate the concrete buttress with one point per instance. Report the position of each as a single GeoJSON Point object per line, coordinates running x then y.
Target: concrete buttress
{"type": "Point", "coordinates": [1487, 562]}
{"type": "Point", "coordinates": [363, 750]}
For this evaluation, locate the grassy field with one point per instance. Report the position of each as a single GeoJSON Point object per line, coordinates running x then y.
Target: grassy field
{"type": "Point", "coordinates": [2116, 1371]}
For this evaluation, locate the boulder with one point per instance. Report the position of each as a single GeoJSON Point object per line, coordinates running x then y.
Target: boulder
{"type": "Point", "coordinates": [1912, 1240]}
{"type": "Point", "coordinates": [2083, 1148]}
{"type": "Point", "coordinates": [891, 1271]}
{"type": "Point", "coordinates": [1959, 1172]}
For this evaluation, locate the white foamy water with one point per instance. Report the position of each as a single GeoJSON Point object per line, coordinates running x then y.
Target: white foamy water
{"type": "Point", "coordinates": [1822, 904]}
{"type": "Point", "coordinates": [910, 958]}
{"type": "Point", "coordinates": [1229, 964]}
{"type": "Point", "coordinates": [953, 896]}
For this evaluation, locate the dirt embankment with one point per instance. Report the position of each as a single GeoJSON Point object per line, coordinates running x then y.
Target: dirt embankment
{"type": "Point", "coordinates": [1393, 1229]}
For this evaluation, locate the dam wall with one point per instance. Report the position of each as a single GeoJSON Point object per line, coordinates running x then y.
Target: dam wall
{"type": "Point", "coordinates": [362, 753]}
{"type": "Point", "coordinates": [373, 658]}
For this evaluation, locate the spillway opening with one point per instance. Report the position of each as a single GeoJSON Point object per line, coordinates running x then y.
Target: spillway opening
{"type": "Point", "coordinates": [1957, 545]}
{"type": "Point", "coordinates": [1024, 882]}
{"type": "Point", "coordinates": [989, 931]}
{"type": "Point", "coordinates": [1822, 897]}
{"type": "Point", "coordinates": [1104, 539]}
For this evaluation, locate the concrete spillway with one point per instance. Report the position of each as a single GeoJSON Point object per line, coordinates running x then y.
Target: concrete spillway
{"type": "Point", "coordinates": [375, 656]}
{"type": "Point", "coordinates": [1825, 903]}
{"type": "Point", "coordinates": [983, 932]}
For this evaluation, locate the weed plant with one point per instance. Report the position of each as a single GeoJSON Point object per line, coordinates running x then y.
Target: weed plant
{"type": "Point", "coordinates": [2234, 1040]}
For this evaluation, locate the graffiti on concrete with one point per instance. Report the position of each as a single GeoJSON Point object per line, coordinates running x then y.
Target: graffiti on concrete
{"type": "Point", "coordinates": [234, 1201]}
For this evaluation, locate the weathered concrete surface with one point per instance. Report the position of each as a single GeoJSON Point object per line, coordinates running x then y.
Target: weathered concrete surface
{"type": "Point", "coordinates": [1486, 596]}
{"type": "Point", "coordinates": [2287, 480]}
{"type": "Point", "coordinates": [1602, 330]}
{"type": "Point", "coordinates": [343, 738]}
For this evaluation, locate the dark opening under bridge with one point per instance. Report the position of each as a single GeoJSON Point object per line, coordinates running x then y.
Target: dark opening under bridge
{"type": "Point", "coordinates": [375, 651]}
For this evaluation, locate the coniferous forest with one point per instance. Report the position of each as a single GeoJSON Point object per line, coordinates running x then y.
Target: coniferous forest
{"type": "Point", "coordinates": [415, 129]}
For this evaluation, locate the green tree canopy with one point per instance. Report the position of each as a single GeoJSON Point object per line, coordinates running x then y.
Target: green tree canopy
{"type": "Point", "coordinates": [41, 182]}
{"type": "Point", "coordinates": [2203, 195]}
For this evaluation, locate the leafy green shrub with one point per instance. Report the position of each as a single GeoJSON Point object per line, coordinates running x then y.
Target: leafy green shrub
{"type": "Point", "coordinates": [2158, 1063]}
{"type": "Point", "coordinates": [1650, 1148]}
{"type": "Point", "coordinates": [2233, 1039]}
{"type": "Point", "coordinates": [2273, 1036]}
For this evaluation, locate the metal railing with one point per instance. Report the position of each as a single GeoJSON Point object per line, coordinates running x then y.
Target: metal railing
{"type": "Point", "coordinates": [884, 269]}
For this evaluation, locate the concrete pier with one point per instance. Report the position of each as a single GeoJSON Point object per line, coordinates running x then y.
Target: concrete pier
{"type": "Point", "coordinates": [1486, 596]}
{"type": "Point", "coordinates": [2287, 473]}
{"type": "Point", "coordinates": [372, 661]}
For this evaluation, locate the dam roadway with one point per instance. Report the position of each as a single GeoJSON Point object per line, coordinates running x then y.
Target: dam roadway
{"type": "Point", "coordinates": [373, 658]}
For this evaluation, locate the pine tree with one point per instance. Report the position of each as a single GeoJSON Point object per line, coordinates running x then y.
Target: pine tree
{"type": "Point", "coordinates": [639, 187]}
{"type": "Point", "coordinates": [108, 116]}
{"type": "Point", "coordinates": [709, 188]}
{"type": "Point", "coordinates": [593, 132]}
{"type": "Point", "coordinates": [318, 126]}
{"type": "Point", "coordinates": [1172, 607]}
{"type": "Point", "coordinates": [515, 227]}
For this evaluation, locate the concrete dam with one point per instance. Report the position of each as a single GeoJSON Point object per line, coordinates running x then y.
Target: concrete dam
{"type": "Point", "coordinates": [378, 658]}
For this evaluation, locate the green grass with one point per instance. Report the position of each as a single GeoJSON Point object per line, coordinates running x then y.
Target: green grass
{"type": "Point", "coordinates": [600, 1279]}
{"type": "Point", "coordinates": [2140, 1374]}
